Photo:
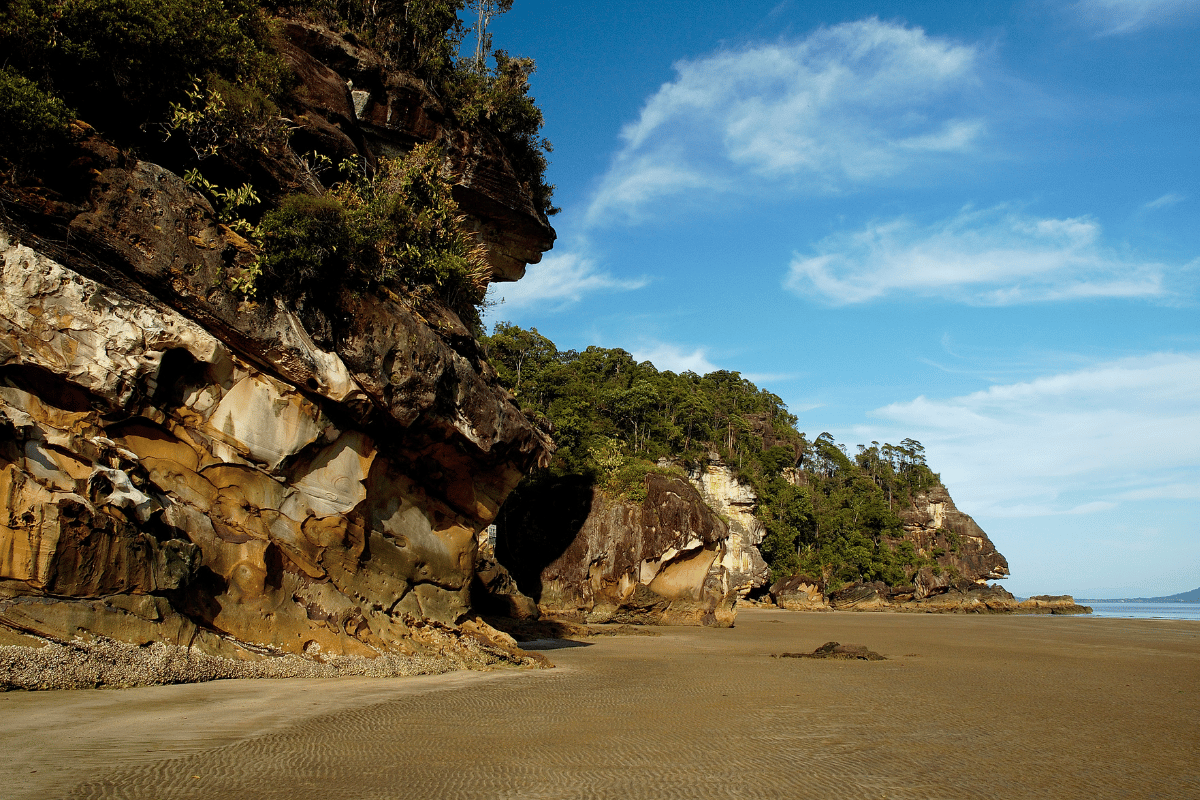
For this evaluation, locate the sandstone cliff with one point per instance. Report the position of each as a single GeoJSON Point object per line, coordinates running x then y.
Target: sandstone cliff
{"type": "Point", "coordinates": [961, 549]}
{"type": "Point", "coordinates": [964, 561]}
{"type": "Point", "coordinates": [586, 557]}
{"type": "Point", "coordinates": [735, 502]}
{"type": "Point", "coordinates": [180, 465]}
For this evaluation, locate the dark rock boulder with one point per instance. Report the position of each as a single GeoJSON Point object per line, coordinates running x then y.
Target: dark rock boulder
{"type": "Point", "coordinates": [873, 596]}
{"type": "Point", "coordinates": [799, 593]}
{"type": "Point", "coordinates": [838, 651]}
{"type": "Point", "coordinates": [966, 597]}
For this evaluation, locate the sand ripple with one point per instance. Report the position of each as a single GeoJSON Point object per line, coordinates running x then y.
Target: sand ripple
{"type": "Point", "coordinates": [964, 708]}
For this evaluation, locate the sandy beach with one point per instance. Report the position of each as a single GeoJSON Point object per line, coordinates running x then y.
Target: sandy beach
{"type": "Point", "coordinates": [964, 707]}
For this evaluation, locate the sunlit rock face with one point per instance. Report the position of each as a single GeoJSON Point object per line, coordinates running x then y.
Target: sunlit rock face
{"type": "Point", "coordinates": [735, 501]}
{"type": "Point", "coordinates": [583, 556]}
{"type": "Point", "coordinates": [962, 550]}
{"type": "Point", "coordinates": [157, 484]}
{"type": "Point", "coordinates": [179, 464]}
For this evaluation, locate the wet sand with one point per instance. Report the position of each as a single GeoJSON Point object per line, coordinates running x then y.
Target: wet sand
{"type": "Point", "coordinates": [965, 707]}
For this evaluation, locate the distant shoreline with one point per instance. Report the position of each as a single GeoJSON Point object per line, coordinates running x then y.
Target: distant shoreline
{"type": "Point", "coordinates": [1191, 597]}
{"type": "Point", "coordinates": [1136, 600]}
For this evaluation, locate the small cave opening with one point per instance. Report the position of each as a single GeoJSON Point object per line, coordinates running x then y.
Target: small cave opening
{"type": "Point", "coordinates": [759, 593]}
{"type": "Point", "coordinates": [536, 525]}
{"type": "Point", "coordinates": [178, 374]}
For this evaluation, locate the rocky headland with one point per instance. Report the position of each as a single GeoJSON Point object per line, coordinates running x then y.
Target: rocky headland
{"type": "Point", "coordinates": [250, 478]}
{"type": "Point", "coordinates": [965, 560]}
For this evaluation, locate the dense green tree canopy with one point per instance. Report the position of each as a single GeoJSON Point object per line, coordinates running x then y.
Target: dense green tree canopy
{"type": "Point", "coordinates": [826, 514]}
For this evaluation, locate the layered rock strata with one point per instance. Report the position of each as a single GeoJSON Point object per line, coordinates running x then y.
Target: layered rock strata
{"type": "Point", "coordinates": [183, 466]}
{"type": "Point", "coordinates": [586, 557]}
{"type": "Point", "coordinates": [157, 484]}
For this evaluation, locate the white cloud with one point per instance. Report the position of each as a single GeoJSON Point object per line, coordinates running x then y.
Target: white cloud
{"type": "Point", "coordinates": [989, 257]}
{"type": "Point", "coordinates": [1075, 443]}
{"type": "Point", "coordinates": [1169, 199]}
{"type": "Point", "coordinates": [674, 358]}
{"type": "Point", "coordinates": [848, 104]}
{"type": "Point", "coordinates": [1113, 17]}
{"type": "Point", "coordinates": [560, 280]}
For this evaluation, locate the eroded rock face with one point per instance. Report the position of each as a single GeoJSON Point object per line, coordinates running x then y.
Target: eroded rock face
{"type": "Point", "coordinates": [180, 465]}
{"type": "Point", "coordinates": [963, 551]}
{"type": "Point", "coordinates": [156, 484]}
{"type": "Point", "coordinates": [735, 501]}
{"type": "Point", "coordinates": [587, 557]}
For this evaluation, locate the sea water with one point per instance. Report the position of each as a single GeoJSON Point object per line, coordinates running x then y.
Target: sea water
{"type": "Point", "coordinates": [1143, 610]}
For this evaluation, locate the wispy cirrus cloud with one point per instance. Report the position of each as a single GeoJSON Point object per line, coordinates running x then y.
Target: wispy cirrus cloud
{"type": "Point", "coordinates": [1168, 199]}
{"type": "Point", "coordinates": [985, 257]}
{"type": "Point", "coordinates": [1114, 17]}
{"type": "Point", "coordinates": [560, 280]}
{"type": "Point", "coordinates": [846, 105]}
{"type": "Point", "coordinates": [1076, 442]}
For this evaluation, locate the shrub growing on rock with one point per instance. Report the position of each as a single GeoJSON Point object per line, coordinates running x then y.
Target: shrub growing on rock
{"type": "Point", "coordinates": [34, 120]}
{"type": "Point", "coordinates": [120, 62]}
{"type": "Point", "coordinates": [306, 239]}
{"type": "Point", "coordinates": [398, 229]}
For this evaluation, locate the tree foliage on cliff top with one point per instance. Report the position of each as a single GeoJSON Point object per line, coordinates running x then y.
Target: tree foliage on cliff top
{"type": "Point", "coordinates": [119, 63]}
{"type": "Point", "coordinates": [425, 37]}
{"type": "Point", "coordinates": [398, 228]}
{"type": "Point", "coordinates": [826, 514]}
{"type": "Point", "coordinates": [207, 73]}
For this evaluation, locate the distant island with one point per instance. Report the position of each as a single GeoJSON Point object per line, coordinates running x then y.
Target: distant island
{"type": "Point", "coordinates": [1183, 597]}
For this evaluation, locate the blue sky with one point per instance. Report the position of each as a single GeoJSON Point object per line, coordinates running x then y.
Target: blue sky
{"type": "Point", "coordinates": [973, 224]}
